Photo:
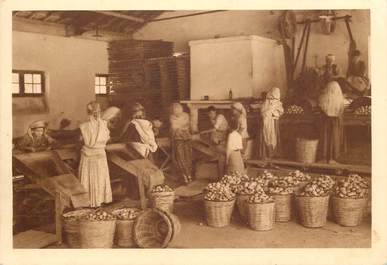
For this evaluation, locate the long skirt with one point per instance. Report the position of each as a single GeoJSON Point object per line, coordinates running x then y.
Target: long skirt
{"type": "Point", "coordinates": [235, 163]}
{"type": "Point", "coordinates": [182, 156]}
{"type": "Point", "coordinates": [330, 137]}
{"type": "Point", "coordinates": [94, 174]}
{"type": "Point", "coordinates": [268, 151]}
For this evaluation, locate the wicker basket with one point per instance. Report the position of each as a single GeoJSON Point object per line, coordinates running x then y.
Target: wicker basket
{"type": "Point", "coordinates": [124, 233]}
{"type": "Point", "coordinates": [348, 212]}
{"type": "Point", "coordinates": [261, 216]}
{"type": "Point", "coordinates": [312, 211]}
{"type": "Point", "coordinates": [163, 200]}
{"type": "Point", "coordinates": [241, 202]}
{"type": "Point", "coordinates": [97, 234]}
{"type": "Point", "coordinates": [306, 150]}
{"type": "Point", "coordinates": [283, 207]}
{"type": "Point", "coordinates": [218, 214]}
{"type": "Point", "coordinates": [71, 227]}
{"type": "Point", "coordinates": [155, 228]}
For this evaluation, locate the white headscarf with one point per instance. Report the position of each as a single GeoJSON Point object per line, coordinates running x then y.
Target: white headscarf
{"type": "Point", "coordinates": [331, 100]}
{"type": "Point", "coordinates": [110, 113]}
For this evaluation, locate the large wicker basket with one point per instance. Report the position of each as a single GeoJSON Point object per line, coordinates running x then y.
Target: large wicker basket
{"type": "Point", "coordinates": [97, 234]}
{"type": "Point", "coordinates": [71, 227]}
{"type": "Point", "coordinates": [312, 211]}
{"type": "Point", "coordinates": [241, 202]}
{"type": "Point", "coordinates": [261, 216]}
{"type": "Point", "coordinates": [163, 200]}
{"type": "Point", "coordinates": [306, 150]}
{"type": "Point", "coordinates": [155, 228]}
{"type": "Point", "coordinates": [218, 214]}
{"type": "Point", "coordinates": [124, 233]}
{"type": "Point", "coordinates": [283, 207]}
{"type": "Point", "coordinates": [348, 212]}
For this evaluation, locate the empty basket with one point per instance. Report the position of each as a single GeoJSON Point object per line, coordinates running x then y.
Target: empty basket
{"type": "Point", "coordinates": [306, 150]}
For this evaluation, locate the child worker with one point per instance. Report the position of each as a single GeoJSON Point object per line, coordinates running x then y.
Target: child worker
{"type": "Point", "coordinates": [271, 111]}
{"type": "Point", "coordinates": [36, 139]}
{"type": "Point", "coordinates": [234, 149]}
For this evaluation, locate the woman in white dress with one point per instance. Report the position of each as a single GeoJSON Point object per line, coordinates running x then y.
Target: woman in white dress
{"type": "Point", "coordinates": [93, 167]}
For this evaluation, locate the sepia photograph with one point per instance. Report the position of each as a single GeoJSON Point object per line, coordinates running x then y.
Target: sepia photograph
{"type": "Point", "coordinates": [191, 129]}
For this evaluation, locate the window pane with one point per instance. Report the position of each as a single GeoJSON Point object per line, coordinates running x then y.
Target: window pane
{"type": "Point", "coordinates": [28, 88]}
{"type": "Point", "coordinates": [15, 89]}
{"type": "Point", "coordinates": [37, 79]}
{"type": "Point", "coordinates": [96, 80]}
{"type": "Point", "coordinates": [15, 78]}
{"type": "Point", "coordinates": [96, 89]}
{"type": "Point", "coordinates": [37, 88]}
{"type": "Point", "coordinates": [102, 89]}
{"type": "Point", "coordinates": [28, 78]}
{"type": "Point", "coordinates": [102, 80]}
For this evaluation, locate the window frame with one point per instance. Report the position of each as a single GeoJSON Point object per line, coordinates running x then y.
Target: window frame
{"type": "Point", "coordinates": [107, 85]}
{"type": "Point", "coordinates": [22, 92]}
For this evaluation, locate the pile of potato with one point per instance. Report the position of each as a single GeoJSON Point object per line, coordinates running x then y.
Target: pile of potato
{"type": "Point", "coordinates": [260, 197]}
{"type": "Point", "coordinates": [294, 109]}
{"type": "Point", "coordinates": [281, 190]}
{"type": "Point", "coordinates": [161, 188]}
{"type": "Point", "coordinates": [284, 181]}
{"type": "Point", "coordinates": [76, 215]}
{"type": "Point", "coordinates": [218, 191]}
{"type": "Point", "coordinates": [126, 213]}
{"type": "Point", "coordinates": [264, 179]}
{"type": "Point", "coordinates": [300, 176]}
{"type": "Point", "coordinates": [249, 188]}
{"type": "Point", "coordinates": [319, 186]}
{"type": "Point", "coordinates": [99, 215]}
{"type": "Point", "coordinates": [234, 180]}
{"type": "Point", "coordinates": [363, 110]}
{"type": "Point", "coordinates": [353, 187]}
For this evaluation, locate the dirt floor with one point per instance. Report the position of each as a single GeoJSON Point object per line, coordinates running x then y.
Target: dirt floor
{"type": "Point", "coordinates": [196, 234]}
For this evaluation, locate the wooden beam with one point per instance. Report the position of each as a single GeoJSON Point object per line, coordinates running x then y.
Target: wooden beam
{"type": "Point", "coordinates": [115, 14]}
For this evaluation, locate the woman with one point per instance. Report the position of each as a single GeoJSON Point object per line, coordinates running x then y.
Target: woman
{"type": "Point", "coordinates": [181, 141]}
{"type": "Point", "coordinates": [239, 116]}
{"type": "Point", "coordinates": [234, 160]}
{"type": "Point", "coordinates": [219, 127]}
{"type": "Point", "coordinates": [271, 111]}
{"type": "Point", "coordinates": [36, 138]}
{"type": "Point", "coordinates": [331, 103]}
{"type": "Point", "coordinates": [138, 133]}
{"type": "Point", "coordinates": [93, 167]}
{"type": "Point", "coordinates": [357, 79]}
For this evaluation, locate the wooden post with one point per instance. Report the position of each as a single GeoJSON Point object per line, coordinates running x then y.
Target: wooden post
{"type": "Point", "coordinates": [141, 190]}
{"type": "Point", "coordinates": [58, 216]}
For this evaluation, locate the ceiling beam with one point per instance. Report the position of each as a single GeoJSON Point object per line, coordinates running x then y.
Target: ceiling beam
{"type": "Point", "coordinates": [119, 15]}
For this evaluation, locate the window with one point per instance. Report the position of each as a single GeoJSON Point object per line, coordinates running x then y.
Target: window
{"type": "Point", "coordinates": [27, 83]}
{"type": "Point", "coordinates": [101, 85]}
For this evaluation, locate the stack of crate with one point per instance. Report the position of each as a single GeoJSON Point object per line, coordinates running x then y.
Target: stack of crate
{"type": "Point", "coordinates": [130, 78]}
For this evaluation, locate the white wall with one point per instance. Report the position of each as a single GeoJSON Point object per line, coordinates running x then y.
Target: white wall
{"type": "Point", "coordinates": [69, 64]}
{"type": "Point", "coordinates": [261, 23]}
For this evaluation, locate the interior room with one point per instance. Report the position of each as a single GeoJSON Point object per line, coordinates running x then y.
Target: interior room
{"type": "Point", "coordinates": [191, 129]}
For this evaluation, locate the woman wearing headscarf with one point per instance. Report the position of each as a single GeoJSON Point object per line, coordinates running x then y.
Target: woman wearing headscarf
{"type": "Point", "coordinates": [138, 133]}
{"type": "Point", "coordinates": [331, 103]}
{"type": "Point", "coordinates": [181, 141]}
{"type": "Point", "coordinates": [93, 167]}
{"type": "Point", "coordinates": [271, 111]}
{"type": "Point", "coordinates": [36, 139]}
{"type": "Point", "coordinates": [239, 116]}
